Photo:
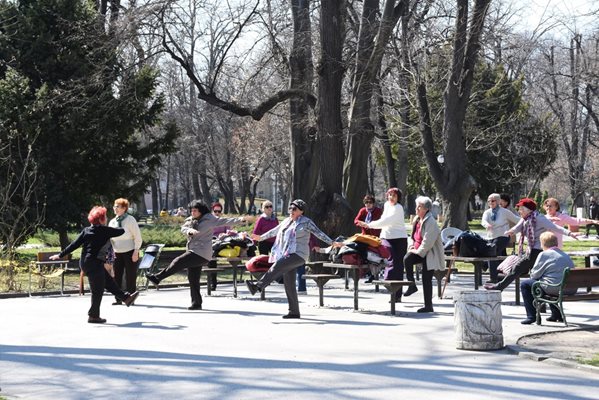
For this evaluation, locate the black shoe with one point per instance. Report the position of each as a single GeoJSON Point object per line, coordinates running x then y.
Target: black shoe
{"type": "Point", "coordinates": [543, 308]}
{"type": "Point", "coordinates": [195, 307]}
{"type": "Point", "coordinates": [96, 320]}
{"type": "Point", "coordinates": [153, 279]}
{"type": "Point", "coordinates": [425, 310]}
{"type": "Point", "coordinates": [554, 318]}
{"type": "Point", "coordinates": [527, 321]}
{"type": "Point", "coordinates": [117, 303]}
{"type": "Point", "coordinates": [213, 287]}
{"type": "Point", "coordinates": [129, 300]}
{"type": "Point", "coordinates": [291, 316]}
{"type": "Point", "coordinates": [411, 290]}
{"type": "Point", "coordinates": [369, 279]}
{"type": "Point", "coordinates": [252, 287]}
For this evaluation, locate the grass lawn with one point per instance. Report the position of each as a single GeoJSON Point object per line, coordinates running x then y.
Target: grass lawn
{"type": "Point", "coordinates": [590, 361]}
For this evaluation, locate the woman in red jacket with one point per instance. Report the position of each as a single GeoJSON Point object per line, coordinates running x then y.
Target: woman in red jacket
{"type": "Point", "coordinates": [370, 212]}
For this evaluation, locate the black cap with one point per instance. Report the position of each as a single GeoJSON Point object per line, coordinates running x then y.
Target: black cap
{"type": "Point", "coordinates": [299, 203]}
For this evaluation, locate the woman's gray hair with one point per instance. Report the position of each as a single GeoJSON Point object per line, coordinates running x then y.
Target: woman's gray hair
{"type": "Point", "coordinates": [424, 201]}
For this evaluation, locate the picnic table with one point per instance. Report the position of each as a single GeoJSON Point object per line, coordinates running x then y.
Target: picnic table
{"type": "Point", "coordinates": [478, 263]}
{"type": "Point", "coordinates": [355, 270]}
{"type": "Point", "coordinates": [234, 264]}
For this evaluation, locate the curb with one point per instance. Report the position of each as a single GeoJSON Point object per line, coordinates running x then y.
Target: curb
{"type": "Point", "coordinates": [530, 355]}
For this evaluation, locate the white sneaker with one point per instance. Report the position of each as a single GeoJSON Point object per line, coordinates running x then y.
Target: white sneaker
{"type": "Point", "coordinates": [302, 292]}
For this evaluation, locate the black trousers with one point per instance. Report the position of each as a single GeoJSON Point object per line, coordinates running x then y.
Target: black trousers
{"type": "Point", "coordinates": [124, 266]}
{"type": "Point", "coordinates": [99, 279]}
{"type": "Point", "coordinates": [588, 228]}
{"type": "Point", "coordinates": [409, 261]}
{"type": "Point", "coordinates": [264, 247]}
{"type": "Point", "coordinates": [194, 264]}
{"type": "Point", "coordinates": [501, 243]}
{"type": "Point", "coordinates": [399, 247]}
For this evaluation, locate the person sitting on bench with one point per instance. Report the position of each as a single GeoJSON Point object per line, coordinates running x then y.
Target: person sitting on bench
{"type": "Point", "coordinates": [548, 268]}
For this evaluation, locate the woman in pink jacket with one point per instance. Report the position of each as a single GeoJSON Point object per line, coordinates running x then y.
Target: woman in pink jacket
{"type": "Point", "coordinates": [554, 214]}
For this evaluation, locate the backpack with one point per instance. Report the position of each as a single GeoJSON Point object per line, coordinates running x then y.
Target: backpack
{"type": "Point", "coordinates": [471, 244]}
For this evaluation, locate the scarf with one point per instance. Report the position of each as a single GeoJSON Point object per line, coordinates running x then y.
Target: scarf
{"type": "Point", "coordinates": [119, 220]}
{"type": "Point", "coordinates": [494, 212]}
{"type": "Point", "coordinates": [530, 222]}
{"type": "Point", "coordinates": [285, 243]}
{"type": "Point", "coordinates": [368, 218]}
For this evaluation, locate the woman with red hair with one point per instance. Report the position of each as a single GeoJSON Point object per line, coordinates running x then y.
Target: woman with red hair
{"type": "Point", "coordinates": [94, 241]}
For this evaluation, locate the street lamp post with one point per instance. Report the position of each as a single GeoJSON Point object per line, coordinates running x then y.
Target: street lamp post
{"type": "Point", "coordinates": [273, 176]}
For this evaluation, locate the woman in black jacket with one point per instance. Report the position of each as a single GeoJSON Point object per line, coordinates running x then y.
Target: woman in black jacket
{"type": "Point", "coordinates": [95, 242]}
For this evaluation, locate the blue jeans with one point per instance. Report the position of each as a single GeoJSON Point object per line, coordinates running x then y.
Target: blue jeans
{"type": "Point", "coordinates": [527, 297]}
{"type": "Point", "coordinates": [301, 282]}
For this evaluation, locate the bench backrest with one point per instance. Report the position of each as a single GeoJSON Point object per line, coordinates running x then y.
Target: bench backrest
{"type": "Point", "coordinates": [45, 256]}
{"type": "Point", "coordinates": [581, 277]}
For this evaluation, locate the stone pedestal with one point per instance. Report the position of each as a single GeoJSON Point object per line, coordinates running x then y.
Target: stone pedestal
{"type": "Point", "coordinates": [477, 320]}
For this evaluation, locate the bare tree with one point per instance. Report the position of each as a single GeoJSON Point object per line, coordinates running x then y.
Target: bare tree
{"type": "Point", "coordinates": [373, 39]}
{"type": "Point", "coordinates": [452, 178]}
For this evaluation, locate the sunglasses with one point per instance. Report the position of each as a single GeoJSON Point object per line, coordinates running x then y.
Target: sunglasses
{"type": "Point", "coordinates": [292, 208]}
{"type": "Point", "coordinates": [267, 206]}
{"type": "Point", "coordinates": [217, 211]}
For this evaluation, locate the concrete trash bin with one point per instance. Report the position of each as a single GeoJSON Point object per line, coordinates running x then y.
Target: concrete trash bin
{"type": "Point", "coordinates": [477, 320]}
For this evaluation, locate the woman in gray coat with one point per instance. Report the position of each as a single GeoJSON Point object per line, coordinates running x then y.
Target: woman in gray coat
{"type": "Point", "coordinates": [290, 250]}
{"type": "Point", "coordinates": [427, 250]}
{"type": "Point", "coordinates": [199, 229]}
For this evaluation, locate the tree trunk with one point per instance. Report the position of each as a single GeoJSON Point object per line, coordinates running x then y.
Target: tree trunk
{"type": "Point", "coordinates": [303, 163]}
{"type": "Point", "coordinates": [452, 178]}
{"type": "Point", "coordinates": [155, 196]}
{"type": "Point", "coordinates": [327, 206]}
{"type": "Point", "coordinates": [63, 237]}
{"type": "Point", "coordinates": [368, 64]}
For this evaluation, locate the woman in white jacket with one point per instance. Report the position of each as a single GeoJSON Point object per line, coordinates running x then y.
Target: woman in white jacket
{"type": "Point", "coordinates": [393, 229]}
{"type": "Point", "coordinates": [126, 247]}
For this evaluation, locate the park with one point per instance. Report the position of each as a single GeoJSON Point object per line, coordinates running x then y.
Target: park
{"type": "Point", "coordinates": [368, 134]}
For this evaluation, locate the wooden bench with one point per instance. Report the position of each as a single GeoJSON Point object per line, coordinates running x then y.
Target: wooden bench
{"type": "Point", "coordinates": [572, 279]}
{"type": "Point", "coordinates": [56, 269]}
{"type": "Point", "coordinates": [393, 287]}
{"type": "Point", "coordinates": [321, 280]}
{"type": "Point", "coordinates": [210, 273]}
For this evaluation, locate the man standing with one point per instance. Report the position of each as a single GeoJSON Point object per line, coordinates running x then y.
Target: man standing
{"type": "Point", "coordinates": [593, 214]}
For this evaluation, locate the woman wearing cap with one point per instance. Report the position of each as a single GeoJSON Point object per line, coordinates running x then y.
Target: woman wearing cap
{"type": "Point", "coordinates": [266, 221]}
{"type": "Point", "coordinates": [496, 220]}
{"type": "Point", "coordinates": [198, 228]}
{"type": "Point", "coordinates": [530, 226]}
{"type": "Point", "coordinates": [393, 229]}
{"type": "Point", "coordinates": [290, 250]}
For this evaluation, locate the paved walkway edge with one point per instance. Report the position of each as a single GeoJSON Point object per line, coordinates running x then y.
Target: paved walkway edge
{"type": "Point", "coordinates": [525, 353]}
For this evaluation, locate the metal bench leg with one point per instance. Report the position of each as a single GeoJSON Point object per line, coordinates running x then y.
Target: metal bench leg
{"type": "Point", "coordinates": [321, 294]}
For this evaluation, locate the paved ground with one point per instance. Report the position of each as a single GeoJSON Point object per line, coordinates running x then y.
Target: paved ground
{"type": "Point", "coordinates": [242, 349]}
